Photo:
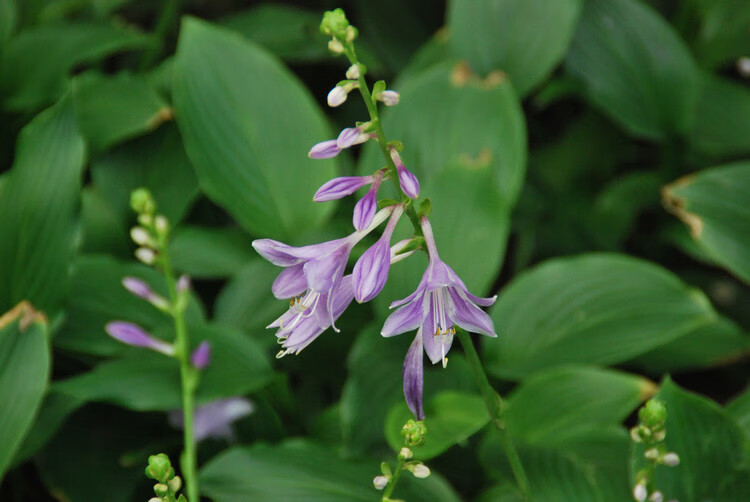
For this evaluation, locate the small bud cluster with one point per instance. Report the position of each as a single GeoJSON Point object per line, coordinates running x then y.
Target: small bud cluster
{"type": "Point", "coordinates": [651, 431]}
{"type": "Point", "coordinates": [414, 434]}
{"type": "Point", "coordinates": [167, 484]}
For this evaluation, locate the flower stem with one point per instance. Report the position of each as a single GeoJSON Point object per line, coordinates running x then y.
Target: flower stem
{"type": "Point", "coordinates": [188, 377]}
{"type": "Point", "coordinates": [494, 405]}
{"type": "Point", "coordinates": [394, 479]}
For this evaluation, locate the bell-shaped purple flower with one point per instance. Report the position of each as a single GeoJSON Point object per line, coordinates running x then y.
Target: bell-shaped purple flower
{"type": "Point", "coordinates": [338, 188]}
{"type": "Point", "coordinates": [132, 334]}
{"type": "Point", "coordinates": [371, 270]}
{"type": "Point", "coordinates": [367, 206]}
{"type": "Point", "coordinates": [201, 356]}
{"type": "Point", "coordinates": [295, 331]}
{"type": "Point", "coordinates": [214, 419]}
{"type": "Point", "coordinates": [406, 179]}
{"type": "Point", "coordinates": [440, 301]}
{"type": "Point", "coordinates": [312, 272]}
{"type": "Point", "coordinates": [324, 150]}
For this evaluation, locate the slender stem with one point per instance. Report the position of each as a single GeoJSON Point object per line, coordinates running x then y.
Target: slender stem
{"type": "Point", "coordinates": [494, 405]}
{"type": "Point", "coordinates": [394, 479]}
{"type": "Point", "coordinates": [167, 18]}
{"type": "Point", "coordinates": [189, 381]}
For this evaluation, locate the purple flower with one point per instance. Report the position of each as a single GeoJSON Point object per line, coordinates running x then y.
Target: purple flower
{"type": "Point", "coordinates": [371, 270]}
{"type": "Point", "coordinates": [132, 334]}
{"type": "Point", "coordinates": [312, 273]}
{"type": "Point", "coordinates": [298, 331]}
{"type": "Point", "coordinates": [413, 376]}
{"type": "Point", "coordinates": [351, 136]}
{"type": "Point", "coordinates": [141, 289]}
{"type": "Point", "coordinates": [365, 209]}
{"type": "Point", "coordinates": [201, 356]}
{"type": "Point", "coordinates": [213, 420]}
{"type": "Point", "coordinates": [324, 150]}
{"type": "Point", "coordinates": [409, 183]}
{"type": "Point", "coordinates": [341, 187]}
{"type": "Point", "coordinates": [440, 301]}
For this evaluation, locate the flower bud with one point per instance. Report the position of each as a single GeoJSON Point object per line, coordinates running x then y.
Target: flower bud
{"type": "Point", "coordinates": [334, 23]}
{"type": "Point", "coordinates": [338, 188]}
{"type": "Point", "coordinates": [175, 484]}
{"type": "Point", "coordinates": [743, 67]}
{"type": "Point", "coordinates": [389, 98]}
{"type": "Point", "coordinates": [670, 459]}
{"type": "Point", "coordinates": [201, 356]}
{"type": "Point", "coordinates": [142, 202]}
{"type": "Point", "coordinates": [351, 136]}
{"type": "Point", "coordinates": [141, 236]}
{"type": "Point", "coordinates": [656, 497]}
{"type": "Point", "coordinates": [155, 499]}
{"type": "Point", "coordinates": [406, 179]}
{"type": "Point", "coordinates": [159, 468]}
{"type": "Point", "coordinates": [335, 46]}
{"type": "Point", "coordinates": [324, 150]}
{"type": "Point", "coordinates": [419, 470]}
{"type": "Point", "coordinates": [183, 284]}
{"type": "Point", "coordinates": [639, 492]}
{"type": "Point", "coordinates": [414, 432]}
{"type": "Point", "coordinates": [380, 482]}
{"type": "Point", "coordinates": [146, 255]}
{"type": "Point", "coordinates": [659, 435]}
{"type": "Point", "coordinates": [653, 414]}
{"type": "Point", "coordinates": [635, 434]}
{"type": "Point", "coordinates": [651, 454]}
{"type": "Point", "coordinates": [337, 96]}
{"type": "Point", "coordinates": [353, 72]}
{"type": "Point", "coordinates": [405, 453]}
{"type": "Point", "coordinates": [132, 334]}
{"type": "Point", "coordinates": [162, 224]}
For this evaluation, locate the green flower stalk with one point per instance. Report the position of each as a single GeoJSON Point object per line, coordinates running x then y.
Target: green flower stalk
{"type": "Point", "coordinates": [651, 432]}
{"type": "Point", "coordinates": [414, 435]}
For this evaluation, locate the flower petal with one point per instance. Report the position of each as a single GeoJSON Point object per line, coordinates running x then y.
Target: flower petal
{"type": "Point", "coordinates": [290, 282]}
{"type": "Point", "coordinates": [406, 318]}
{"type": "Point", "coordinates": [365, 209]}
{"type": "Point", "coordinates": [408, 182]}
{"type": "Point", "coordinates": [371, 271]}
{"type": "Point", "coordinates": [413, 374]}
{"type": "Point", "coordinates": [469, 316]}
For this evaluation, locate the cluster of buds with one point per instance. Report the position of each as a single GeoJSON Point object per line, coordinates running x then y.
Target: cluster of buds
{"type": "Point", "coordinates": [152, 236]}
{"type": "Point", "coordinates": [167, 484]}
{"type": "Point", "coordinates": [388, 477]}
{"type": "Point", "coordinates": [651, 432]}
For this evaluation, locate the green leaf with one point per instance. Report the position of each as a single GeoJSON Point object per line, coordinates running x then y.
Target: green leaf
{"type": "Point", "coordinates": [524, 38]}
{"type": "Point", "coordinates": [575, 400]}
{"type": "Point", "coordinates": [721, 125]}
{"type": "Point", "coordinates": [105, 230]}
{"type": "Point", "coordinates": [634, 68]}
{"type": "Point", "coordinates": [210, 252]}
{"type": "Point", "coordinates": [39, 209]}
{"type": "Point", "coordinates": [595, 308]}
{"type": "Point", "coordinates": [143, 380]}
{"type": "Point", "coordinates": [713, 203]}
{"type": "Point", "coordinates": [722, 35]}
{"type": "Point", "coordinates": [451, 418]}
{"type": "Point", "coordinates": [300, 470]}
{"type": "Point", "coordinates": [710, 445]}
{"type": "Point", "coordinates": [24, 371]}
{"type": "Point", "coordinates": [717, 343]}
{"type": "Point", "coordinates": [157, 162]}
{"type": "Point", "coordinates": [291, 33]}
{"type": "Point", "coordinates": [39, 60]}
{"type": "Point", "coordinates": [8, 21]}
{"type": "Point", "coordinates": [111, 110]}
{"type": "Point", "coordinates": [739, 409]}
{"type": "Point", "coordinates": [98, 297]}
{"type": "Point", "coordinates": [250, 159]}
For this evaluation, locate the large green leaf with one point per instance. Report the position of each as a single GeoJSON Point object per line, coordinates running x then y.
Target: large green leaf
{"type": "Point", "coordinates": [596, 308]}
{"type": "Point", "coordinates": [722, 123]}
{"type": "Point", "coordinates": [38, 60]}
{"type": "Point", "coordinates": [451, 418]}
{"type": "Point", "coordinates": [299, 470]}
{"type": "Point", "coordinates": [144, 380]}
{"type": "Point", "coordinates": [739, 409]}
{"type": "Point", "coordinates": [722, 35]}
{"type": "Point", "coordinates": [157, 162]}
{"type": "Point", "coordinates": [211, 252]}
{"type": "Point", "coordinates": [248, 125]}
{"type": "Point", "coordinates": [98, 297]}
{"type": "Point", "coordinates": [24, 370]}
{"type": "Point", "coordinates": [113, 109]}
{"type": "Point", "coordinates": [575, 400]}
{"type": "Point", "coordinates": [634, 68]}
{"type": "Point", "coordinates": [710, 444]}
{"type": "Point", "coordinates": [524, 38]}
{"type": "Point", "coordinates": [713, 203]}
{"type": "Point", "coordinates": [39, 202]}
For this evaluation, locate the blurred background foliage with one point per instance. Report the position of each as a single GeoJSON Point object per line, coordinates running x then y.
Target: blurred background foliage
{"type": "Point", "coordinates": [588, 160]}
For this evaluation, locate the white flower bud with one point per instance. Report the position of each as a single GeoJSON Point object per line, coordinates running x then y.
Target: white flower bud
{"type": "Point", "coordinates": [635, 434]}
{"type": "Point", "coordinates": [140, 236]}
{"type": "Point", "coordinates": [660, 435]}
{"type": "Point", "coordinates": [420, 471]}
{"type": "Point", "coordinates": [639, 492]}
{"type": "Point", "coordinates": [162, 224]}
{"type": "Point", "coordinates": [155, 499]}
{"type": "Point", "coordinates": [351, 33]}
{"type": "Point", "coordinates": [651, 454]}
{"type": "Point", "coordinates": [335, 46]}
{"type": "Point", "coordinates": [175, 484]}
{"type": "Point", "coordinates": [405, 453]}
{"type": "Point", "coordinates": [389, 98]}
{"type": "Point", "coordinates": [656, 497]}
{"type": "Point", "coordinates": [743, 67]}
{"type": "Point", "coordinates": [337, 96]}
{"type": "Point", "coordinates": [380, 482]}
{"type": "Point", "coordinates": [670, 459]}
{"type": "Point", "coordinates": [146, 255]}
{"type": "Point", "coordinates": [353, 72]}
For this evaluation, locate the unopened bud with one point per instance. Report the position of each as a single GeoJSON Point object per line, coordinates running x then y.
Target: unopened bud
{"type": "Point", "coordinates": [175, 484]}
{"type": "Point", "coordinates": [353, 72]}
{"type": "Point", "coordinates": [389, 98]}
{"type": "Point", "coordinates": [660, 435]}
{"type": "Point", "coordinates": [743, 67]}
{"type": "Point", "coordinates": [653, 414]}
{"type": "Point", "coordinates": [350, 33]}
{"type": "Point", "coordinates": [142, 202]}
{"type": "Point", "coordinates": [162, 224]}
{"type": "Point", "coordinates": [670, 459]}
{"type": "Point", "coordinates": [161, 489]}
{"type": "Point", "coordinates": [419, 470]}
{"type": "Point", "coordinates": [405, 453]}
{"type": "Point", "coordinates": [337, 96]}
{"type": "Point", "coordinates": [335, 46]}
{"type": "Point", "coordinates": [141, 236]}
{"type": "Point", "coordinates": [635, 434]}
{"type": "Point", "coordinates": [146, 255]}
{"type": "Point", "coordinates": [639, 492]}
{"type": "Point", "coordinates": [656, 497]}
{"type": "Point", "coordinates": [380, 482]}
{"type": "Point", "coordinates": [159, 468]}
{"type": "Point", "coordinates": [651, 454]}
{"type": "Point", "coordinates": [183, 284]}
{"type": "Point", "coordinates": [155, 499]}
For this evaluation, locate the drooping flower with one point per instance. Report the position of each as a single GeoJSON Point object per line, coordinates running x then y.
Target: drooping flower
{"type": "Point", "coordinates": [214, 419]}
{"type": "Point", "coordinates": [338, 188]}
{"type": "Point", "coordinates": [367, 206]}
{"type": "Point", "coordinates": [298, 330]}
{"type": "Point", "coordinates": [347, 138]}
{"type": "Point", "coordinates": [312, 273]}
{"type": "Point", "coordinates": [371, 270]}
{"type": "Point", "coordinates": [134, 335]}
{"type": "Point", "coordinates": [141, 289]}
{"type": "Point", "coordinates": [406, 179]}
{"type": "Point", "coordinates": [440, 301]}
